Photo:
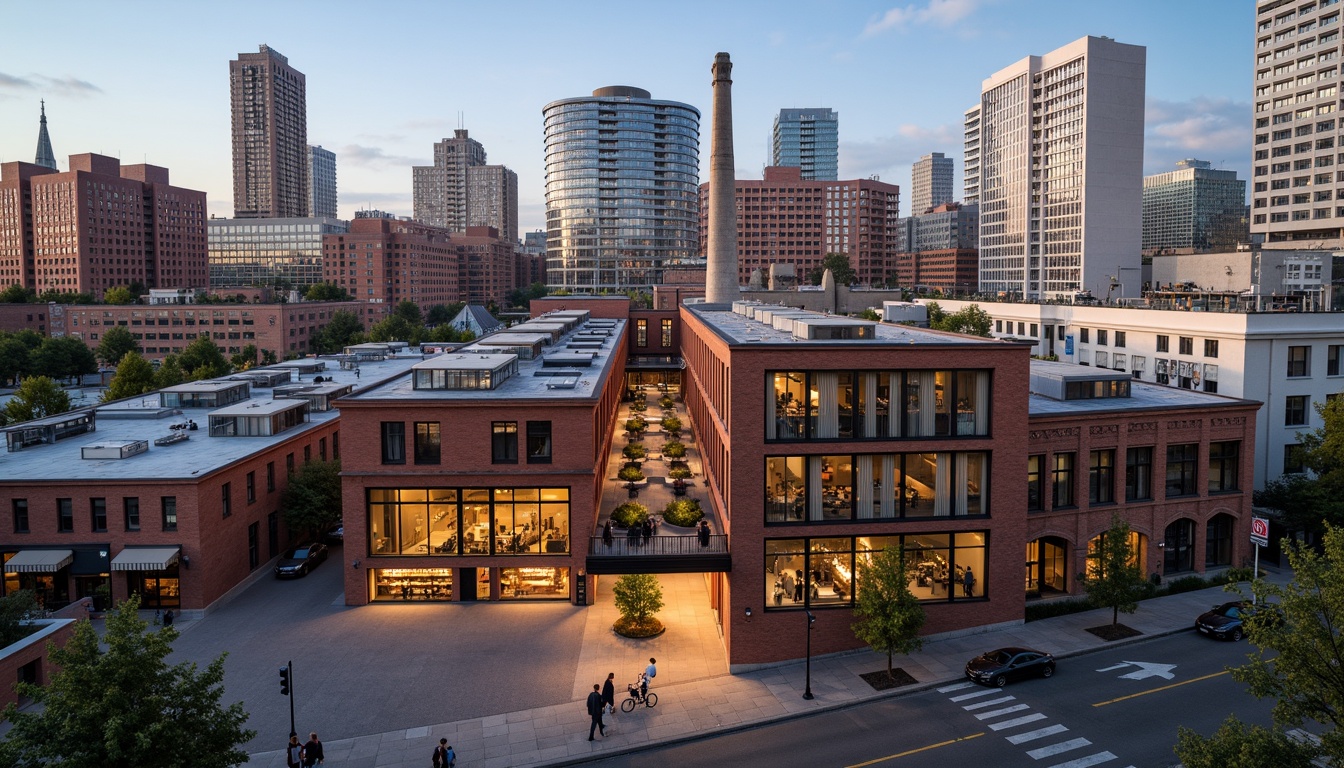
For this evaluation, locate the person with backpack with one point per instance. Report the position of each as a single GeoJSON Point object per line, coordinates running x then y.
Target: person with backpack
{"type": "Point", "coordinates": [444, 757]}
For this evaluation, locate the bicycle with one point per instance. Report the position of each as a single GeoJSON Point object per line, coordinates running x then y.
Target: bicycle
{"type": "Point", "coordinates": [637, 696]}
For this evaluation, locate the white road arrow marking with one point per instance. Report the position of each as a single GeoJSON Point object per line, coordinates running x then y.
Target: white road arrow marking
{"type": "Point", "coordinates": [1145, 670]}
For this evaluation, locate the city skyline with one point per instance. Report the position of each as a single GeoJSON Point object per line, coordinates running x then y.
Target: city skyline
{"type": "Point", "coordinates": [783, 60]}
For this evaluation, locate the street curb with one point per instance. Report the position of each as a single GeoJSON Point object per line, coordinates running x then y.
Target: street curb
{"type": "Point", "coordinates": [877, 696]}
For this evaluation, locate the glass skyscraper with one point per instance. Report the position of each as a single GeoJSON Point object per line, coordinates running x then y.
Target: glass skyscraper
{"type": "Point", "coordinates": [622, 175]}
{"type": "Point", "coordinates": [808, 139]}
{"type": "Point", "coordinates": [1194, 208]}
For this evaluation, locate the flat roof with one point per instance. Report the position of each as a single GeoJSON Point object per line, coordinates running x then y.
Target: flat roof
{"type": "Point", "coordinates": [534, 379]}
{"type": "Point", "coordinates": [1143, 396]}
{"type": "Point", "coordinates": [740, 329]}
{"type": "Point", "coordinates": [141, 418]}
{"type": "Point", "coordinates": [456, 361]}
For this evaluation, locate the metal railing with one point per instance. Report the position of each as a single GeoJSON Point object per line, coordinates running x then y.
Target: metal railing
{"type": "Point", "coordinates": [659, 545]}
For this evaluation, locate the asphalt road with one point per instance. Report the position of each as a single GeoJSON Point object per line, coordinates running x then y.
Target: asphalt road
{"type": "Point", "coordinates": [1099, 709]}
{"type": "Point", "coordinates": [379, 668]}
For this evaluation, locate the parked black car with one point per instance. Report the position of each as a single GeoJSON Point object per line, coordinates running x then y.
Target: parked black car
{"type": "Point", "coordinates": [998, 667]}
{"type": "Point", "coordinates": [335, 534]}
{"type": "Point", "coordinates": [300, 560]}
{"type": "Point", "coordinates": [1225, 622]}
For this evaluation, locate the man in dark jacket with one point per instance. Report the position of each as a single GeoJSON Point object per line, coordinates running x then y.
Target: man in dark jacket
{"type": "Point", "coordinates": [312, 752]}
{"type": "Point", "coordinates": [595, 712]}
{"type": "Point", "coordinates": [609, 692]}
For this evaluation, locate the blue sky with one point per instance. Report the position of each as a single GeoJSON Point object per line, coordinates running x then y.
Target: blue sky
{"type": "Point", "coordinates": [148, 81]}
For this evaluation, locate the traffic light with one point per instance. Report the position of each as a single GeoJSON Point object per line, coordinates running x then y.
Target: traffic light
{"type": "Point", "coordinates": [284, 680]}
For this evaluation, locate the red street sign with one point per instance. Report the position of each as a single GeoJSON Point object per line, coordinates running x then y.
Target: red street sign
{"type": "Point", "coordinates": [1260, 531]}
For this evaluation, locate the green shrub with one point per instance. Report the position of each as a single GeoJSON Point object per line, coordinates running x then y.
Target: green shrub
{"type": "Point", "coordinates": [630, 513]}
{"type": "Point", "coordinates": [666, 401]}
{"type": "Point", "coordinates": [638, 406]}
{"type": "Point", "coordinates": [679, 473]}
{"type": "Point", "coordinates": [674, 450]}
{"type": "Point", "coordinates": [631, 475]}
{"type": "Point", "coordinates": [1053, 608]}
{"type": "Point", "coordinates": [683, 513]}
{"type": "Point", "coordinates": [672, 424]}
{"type": "Point", "coordinates": [634, 451]}
{"type": "Point", "coordinates": [675, 465]}
{"type": "Point", "coordinates": [636, 425]}
{"type": "Point", "coordinates": [1235, 575]}
{"type": "Point", "coordinates": [1186, 584]}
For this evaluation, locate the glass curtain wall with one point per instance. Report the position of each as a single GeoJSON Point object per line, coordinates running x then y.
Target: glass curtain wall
{"type": "Point", "coordinates": [468, 521]}
{"type": "Point", "coordinates": [836, 487]}
{"type": "Point", "coordinates": [841, 405]}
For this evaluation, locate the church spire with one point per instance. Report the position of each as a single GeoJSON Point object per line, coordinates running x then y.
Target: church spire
{"type": "Point", "coordinates": [45, 157]}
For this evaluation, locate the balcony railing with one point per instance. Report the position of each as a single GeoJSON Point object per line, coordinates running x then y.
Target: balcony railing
{"type": "Point", "coordinates": [660, 545]}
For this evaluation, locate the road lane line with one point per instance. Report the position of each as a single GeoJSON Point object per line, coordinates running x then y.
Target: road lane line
{"type": "Point", "coordinates": [1056, 749]}
{"type": "Point", "coordinates": [1085, 762]}
{"type": "Point", "coordinates": [1040, 733]}
{"type": "Point", "coordinates": [976, 695]}
{"type": "Point", "coordinates": [917, 750]}
{"type": "Point", "coordinates": [957, 687]}
{"type": "Point", "coordinates": [1004, 711]}
{"type": "Point", "coordinates": [990, 703]}
{"type": "Point", "coordinates": [1161, 688]}
{"type": "Point", "coordinates": [1016, 721]}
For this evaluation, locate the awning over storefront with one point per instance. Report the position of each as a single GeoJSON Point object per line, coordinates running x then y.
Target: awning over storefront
{"type": "Point", "coordinates": [145, 558]}
{"type": "Point", "coordinates": [39, 561]}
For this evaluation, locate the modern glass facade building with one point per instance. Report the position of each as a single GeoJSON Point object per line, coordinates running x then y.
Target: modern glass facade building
{"type": "Point", "coordinates": [1193, 208]}
{"type": "Point", "coordinates": [257, 252]}
{"type": "Point", "coordinates": [808, 139]}
{"type": "Point", "coordinates": [622, 172]}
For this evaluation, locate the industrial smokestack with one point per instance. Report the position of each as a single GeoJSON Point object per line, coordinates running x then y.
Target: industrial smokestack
{"type": "Point", "coordinates": [721, 285]}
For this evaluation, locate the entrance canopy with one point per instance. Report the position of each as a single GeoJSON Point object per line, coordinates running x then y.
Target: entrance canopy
{"type": "Point", "coordinates": [39, 561]}
{"type": "Point", "coordinates": [145, 558]}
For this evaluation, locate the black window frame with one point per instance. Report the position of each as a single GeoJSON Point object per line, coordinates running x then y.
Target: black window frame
{"type": "Point", "coordinates": [1103, 337]}
{"type": "Point", "coordinates": [168, 509]}
{"type": "Point", "coordinates": [1119, 339]}
{"type": "Point", "coordinates": [1083, 335]}
{"type": "Point", "coordinates": [65, 515]}
{"type": "Point", "coordinates": [1294, 459]}
{"type": "Point", "coordinates": [428, 442]}
{"type": "Point", "coordinates": [393, 442]}
{"type": "Point", "coordinates": [270, 477]}
{"type": "Point", "coordinates": [226, 499]}
{"type": "Point", "coordinates": [503, 442]}
{"type": "Point", "coordinates": [1183, 469]}
{"type": "Point", "coordinates": [1224, 466]}
{"type": "Point", "coordinates": [20, 509]}
{"type": "Point", "coordinates": [1139, 473]}
{"type": "Point", "coordinates": [1299, 362]}
{"type": "Point", "coordinates": [253, 545]}
{"type": "Point", "coordinates": [1062, 493]}
{"type": "Point", "coordinates": [1211, 348]}
{"type": "Point", "coordinates": [540, 446]}
{"type": "Point", "coordinates": [130, 512]}
{"type": "Point", "coordinates": [1295, 410]}
{"type": "Point", "coordinates": [1332, 355]}
{"type": "Point", "coordinates": [1185, 345]}
{"type": "Point", "coordinates": [98, 514]}
{"type": "Point", "coordinates": [641, 332]}
{"type": "Point", "coordinates": [1036, 482]}
{"type": "Point", "coordinates": [665, 328]}
{"type": "Point", "coordinates": [1101, 477]}
{"type": "Point", "coordinates": [1163, 343]}
{"type": "Point", "coordinates": [252, 487]}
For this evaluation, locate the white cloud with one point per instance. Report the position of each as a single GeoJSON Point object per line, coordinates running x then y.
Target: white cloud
{"type": "Point", "coordinates": [1217, 130]}
{"type": "Point", "coordinates": [891, 156]}
{"type": "Point", "coordinates": [41, 84]}
{"type": "Point", "coordinates": [938, 13]}
{"type": "Point", "coordinates": [357, 154]}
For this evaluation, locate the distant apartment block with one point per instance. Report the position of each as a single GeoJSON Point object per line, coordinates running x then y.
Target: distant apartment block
{"type": "Point", "coordinates": [930, 183]}
{"type": "Point", "coordinates": [937, 249]}
{"type": "Point", "coordinates": [99, 225]}
{"type": "Point", "coordinates": [808, 139]}
{"type": "Point", "coordinates": [970, 174]}
{"type": "Point", "coordinates": [270, 136]}
{"type": "Point", "coordinates": [1193, 209]}
{"type": "Point", "coordinates": [321, 183]}
{"type": "Point", "coordinates": [281, 253]}
{"type": "Point", "coordinates": [786, 219]}
{"type": "Point", "coordinates": [1049, 127]}
{"type": "Point", "coordinates": [492, 200]}
{"type": "Point", "coordinates": [384, 261]}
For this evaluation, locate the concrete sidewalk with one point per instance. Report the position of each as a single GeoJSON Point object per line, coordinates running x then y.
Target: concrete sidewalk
{"type": "Point", "coordinates": [558, 735]}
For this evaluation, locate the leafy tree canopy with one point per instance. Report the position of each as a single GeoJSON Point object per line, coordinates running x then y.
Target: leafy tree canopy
{"type": "Point", "coordinates": [63, 358]}
{"type": "Point", "coordinates": [202, 359]}
{"type": "Point", "coordinates": [889, 616]}
{"type": "Point", "coordinates": [1115, 580]}
{"type": "Point", "coordinates": [119, 294]}
{"type": "Point", "coordinates": [838, 263]}
{"type": "Point", "coordinates": [345, 328]}
{"type": "Point", "coordinates": [116, 342]}
{"type": "Point", "coordinates": [65, 297]}
{"type": "Point", "coordinates": [638, 596]}
{"type": "Point", "coordinates": [312, 498]}
{"type": "Point", "coordinates": [327, 292]}
{"type": "Point", "coordinates": [245, 359]}
{"type": "Point", "coordinates": [125, 707]}
{"type": "Point", "coordinates": [410, 312]}
{"type": "Point", "coordinates": [971, 320]}
{"type": "Point", "coordinates": [443, 313]}
{"type": "Point", "coordinates": [170, 373]}
{"type": "Point", "coordinates": [135, 376]}
{"type": "Point", "coordinates": [17, 294]}
{"type": "Point", "coordinates": [36, 398]}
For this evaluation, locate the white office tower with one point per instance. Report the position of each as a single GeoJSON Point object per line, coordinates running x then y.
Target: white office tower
{"type": "Point", "coordinates": [1059, 146]}
{"type": "Point", "coordinates": [1297, 184]}
{"type": "Point", "coordinates": [930, 183]}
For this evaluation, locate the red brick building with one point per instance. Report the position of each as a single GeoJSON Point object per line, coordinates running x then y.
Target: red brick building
{"type": "Point", "coordinates": [33, 317]}
{"type": "Point", "coordinates": [485, 266]}
{"type": "Point", "coordinates": [99, 225]}
{"type": "Point", "coordinates": [785, 219]}
{"type": "Point", "coordinates": [285, 329]}
{"type": "Point", "coordinates": [952, 270]}
{"type": "Point", "coordinates": [383, 261]}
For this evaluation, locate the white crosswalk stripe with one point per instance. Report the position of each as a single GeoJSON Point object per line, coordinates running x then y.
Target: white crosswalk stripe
{"type": "Point", "coordinates": [1057, 749]}
{"type": "Point", "coordinates": [990, 703]}
{"type": "Point", "coordinates": [976, 694]}
{"type": "Point", "coordinates": [1086, 762]}
{"type": "Point", "coordinates": [1001, 712]}
{"type": "Point", "coordinates": [1040, 733]}
{"type": "Point", "coordinates": [1016, 721]}
{"type": "Point", "coordinates": [956, 687]}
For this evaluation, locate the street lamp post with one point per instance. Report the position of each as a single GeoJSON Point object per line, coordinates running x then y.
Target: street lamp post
{"type": "Point", "coordinates": [286, 689]}
{"type": "Point", "coordinates": [807, 692]}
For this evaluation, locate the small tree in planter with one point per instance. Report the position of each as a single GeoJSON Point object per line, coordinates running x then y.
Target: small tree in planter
{"type": "Point", "coordinates": [636, 425]}
{"type": "Point", "coordinates": [629, 514]}
{"type": "Point", "coordinates": [679, 473]}
{"type": "Point", "coordinates": [630, 475]}
{"type": "Point", "coordinates": [634, 451]}
{"type": "Point", "coordinates": [678, 465]}
{"type": "Point", "coordinates": [683, 513]}
{"type": "Point", "coordinates": [666, 401]}
{"type": "Point", "coordinates": [638, 597]}
{"type": "Point", "coordinates": [675, 450]}
{"type": "Point", "coordinates": [671, 424]}
{"type": "Point", "coordinates": [638, 406]}
{"type": "Point", "coordinates": [889, 616]}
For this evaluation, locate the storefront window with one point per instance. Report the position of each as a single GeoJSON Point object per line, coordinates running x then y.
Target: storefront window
{"type": "Point", "coordinates": [468, 521]}
{"type": "Point", "coordinates": [157, 589]}
{"type": "Point", "coordinates": [411, 584]}
{"type": "Point", "coordinates": [1138, 545]}
{"type": "Point", "coordinates": [534, 583]}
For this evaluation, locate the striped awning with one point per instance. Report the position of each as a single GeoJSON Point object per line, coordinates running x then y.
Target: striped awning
{"type": "Point", "coordinates": [145, 558]}
{"type": "Point", "coordinates": [39, 561]}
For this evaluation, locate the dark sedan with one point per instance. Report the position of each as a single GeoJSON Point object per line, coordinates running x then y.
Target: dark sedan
{"type": "Point", "coordinates": [300, 560]}
{"type": "Point", "coordinates": [998, 667]}
{"type": "Point", "coordinates": [1225, 622]}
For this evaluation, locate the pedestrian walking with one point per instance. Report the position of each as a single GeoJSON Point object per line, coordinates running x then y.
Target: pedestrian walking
{"type": "Point", "coordinates": [609, 693]}
{"type": "Point", "coordinates": [168, 619]}
{"type": "Point", "coordinates": [703, 533]}
{"type": "Point", "coordinates": [646, 530]}
{"type": "Point", "coordinates": [444, 757]}
{"type": "Point", "coordinates": [968, 583]}
{"type": "Point", "coordinates": [595, 712]}
{"type": "Point", "coordinates": [632, 536]}
{"type": "Point", "coordinates": [293, 752]}
{"type": "Point", "coordinates": [312, 751]}
{"type": "Point", "coordinates": [606, 534]}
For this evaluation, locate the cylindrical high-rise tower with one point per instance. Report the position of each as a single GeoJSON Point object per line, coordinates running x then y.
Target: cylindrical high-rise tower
{"type": "Point", "coordinates": [622, 189]}
{"type": "Point", "coordinates": [721, 285]}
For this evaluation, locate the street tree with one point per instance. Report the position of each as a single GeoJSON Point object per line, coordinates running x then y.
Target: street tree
{"type": "Point", "coordinates": [312, 498]}
{"type": "Point", "coordinates": [396, 328]}
{"type": "Point", "coordinates": [1234, 744]}
{"type": "Point", "coordinates": [345, 328]}
{"type": "Point", "coordinates": [116, 342]}
{"type": "Point", "coordinates": [63, 358]}
{"type": "Point", "coordinates": [838, 263]}
{"type": "Point", "coordinates": [889, 616]}
{"type": "Point", "coordinates": [125, 707]}
{"type": "Point", "coordinates": [36, 398]}
{"type": "Point", "coordinates": [15, 357]}
{"type": "Point", "coordinates": [410, 312]}
{"type": "Point", "coordinates": [1323, 453]}
{"type": "Point", "coordinates": [170, 373]}
{"type": "Point", "coordinates": [1299, 656]}
{"type": "Point", "coordinates": [202, 359]}
{"type": "Point", "coordinates": [134, 376]}
{"type": "Point", "coordinates": [246, 358]}
{"type": "Point", "coordinates": [638, 596]}
{"type": "Point", "coordinates": [1114, 580]}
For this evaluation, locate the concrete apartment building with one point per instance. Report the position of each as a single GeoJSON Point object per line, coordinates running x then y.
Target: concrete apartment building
{"type": "Point", "coordinates": [459, 190]}
{"type": "Point", "coordinates": [492, 200]}
{"type": "Point", "coordinates": [99, 225]}
{"type": "Point", "coordinates": [1193, 209]}
{"type": "Point", "coordinates": [173, 495]}
{"type": "Point", "coordinates": [284, 253]}
{"type": "Point", "coordinates": [930, 183]}
{"type": "Point", "coordinates": [1055, 160]}
{"type": "Point", "coordinates": [487, 266]}
{"type": "Point", "coordinates": [382, 261]}
{"type": "Point", "coordinates": [269, 108]}
{"type": "Point", "coordinates": [321, 183]}
{"type": "Point", "coordinates": [786, 219]}
{"type": "Point", "coordinates": [616, 217]}
{"type": "Point", "coordinates": [809, 140]}
{"type": "Point", "coordinates": [937, 249]}
{"type": "Point", "coordinates": [1287, 361]}
{"type": "Point", "coordinates": [1297, 187]}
